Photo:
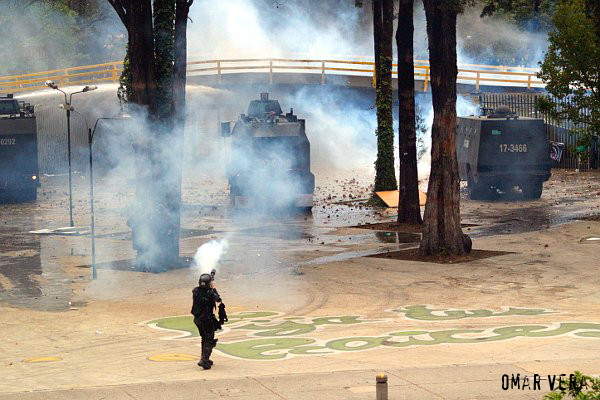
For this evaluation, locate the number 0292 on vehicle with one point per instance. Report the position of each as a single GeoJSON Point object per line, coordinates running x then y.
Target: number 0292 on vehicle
{"type": "Point", "coordinates": [513, 148]}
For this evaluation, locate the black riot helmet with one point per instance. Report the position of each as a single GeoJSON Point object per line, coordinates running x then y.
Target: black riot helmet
{"type": "Point", "coordinates": [205, 280]}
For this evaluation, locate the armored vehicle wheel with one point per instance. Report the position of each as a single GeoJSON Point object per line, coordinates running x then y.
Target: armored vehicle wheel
{"type": "Point", "coordinates": [31, 194]}
{"type": "Point", "coordinates": [480, 191]}
{"type": "Point", "coordinates": [19, 195]}
{"type": "Point", "coordinates": [27, 193]}
{"type": "Point", "coordinates": [532, 190]}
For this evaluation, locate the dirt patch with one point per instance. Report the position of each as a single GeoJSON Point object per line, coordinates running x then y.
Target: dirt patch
{"type": "Point", "coordinates": [395, 227]}
{"type": "Point", "coordinates": [413, 255]}
{"type": "Point", "coordinates": [391, 227]}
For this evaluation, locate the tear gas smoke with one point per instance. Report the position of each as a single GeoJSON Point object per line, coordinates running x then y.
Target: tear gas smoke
{"type": "Point", "coordinates": [208, 255]}
{"type": "Point", "coordinates": [489, 40]}
{"type": "Point", "coordinates": [464, 107]}
{"type": "Point", "coordinates": [252, 28]}
{"type": "Point", "coordinates": [495, 41]}
{"type": "Point", "coordinates": [247, 28]}
{"type": "Point", "coordinates": [340, 121]}
{"type": "Point", "coordinates": [41, 36]}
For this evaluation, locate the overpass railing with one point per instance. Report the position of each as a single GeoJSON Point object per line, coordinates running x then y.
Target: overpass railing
{"type": "Point", "coordinates": [475, 74]}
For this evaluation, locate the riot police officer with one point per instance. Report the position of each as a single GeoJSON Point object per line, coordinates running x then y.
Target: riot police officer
{"type": "Point", "coordinates": [205, 298]}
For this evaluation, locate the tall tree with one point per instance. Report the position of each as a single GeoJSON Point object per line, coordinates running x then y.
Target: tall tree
{"type": "Point", "coordinates": [137, 19]}
{"type": "Point", "coordinates": [573, 79]}
{"type": "Point", "coordinates": [442, 233]}
{"type": "Point", "coordinates": [182, 10]}
{"type": "Point", "coordinates": [156, 40]}
{"type": "Point", "coordinates": [383, 31]}
{"type": "Point", "coordinates": [409, 210]}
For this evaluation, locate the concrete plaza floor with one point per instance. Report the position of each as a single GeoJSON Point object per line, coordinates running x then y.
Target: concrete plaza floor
{"type": "Point", "coordinates": [310, 316]}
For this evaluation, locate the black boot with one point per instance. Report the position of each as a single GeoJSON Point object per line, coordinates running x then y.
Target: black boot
{"type": "Point", "coordinates": [208, 353]}
{"type": "Point", "coordinates": [209, 349]}
{"type": "Point", "coordinates": [204, 362]}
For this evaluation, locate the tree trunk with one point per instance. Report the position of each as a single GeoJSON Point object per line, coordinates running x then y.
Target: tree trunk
{"type": "Point", "coordinates": [182, 9]}
{"type": "Point", "coordinates": [162, 184]}
{"type": "Point", "coordinates": [442, 233]}
{"type": "Point", "coordinates": [383, 31]}
{"type": "Point", "coordinates": [155, 217]}
{"type": "Point", "coordinates": [377, 33]}
{"type": "Point", "coordinates": [409, 210]}
{"type": "Point", "coordinates": [142, 53]}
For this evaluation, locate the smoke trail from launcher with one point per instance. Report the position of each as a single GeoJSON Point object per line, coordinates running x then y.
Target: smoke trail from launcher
{"type": "Point", "coordinates": [207, 256]}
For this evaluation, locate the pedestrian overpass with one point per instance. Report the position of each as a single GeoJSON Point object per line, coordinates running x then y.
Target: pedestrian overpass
{"type": "Point", "coordinates": [347, 72]}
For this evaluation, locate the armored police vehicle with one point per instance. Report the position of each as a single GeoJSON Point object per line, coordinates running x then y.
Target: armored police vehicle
{"type": "Point", "coordinates": [500, 151]}
{"type": "Point", "coordinates": [18, 151]}
{"type": "Point", "coordinates": [270, 158]}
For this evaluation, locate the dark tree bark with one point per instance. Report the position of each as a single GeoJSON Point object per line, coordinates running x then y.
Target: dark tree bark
{"type": "Point", "coordinates": [177, 115]}
{"type": "Point", "coordinates": [409, 211]}
{"type": "Point", "coordinates": [182, 10]}
{"type": "Point", "coordinates": [141, 46]}
{"type": "Point", "coordinates": [164, 55]}
{"type": "Point", "coordinates": [163, 186]}
{"type": "Point", "coordinates": [442, 233]}
{"type": "Point", "coordinates": [154, 71]}
{"type": "Point", "coordinates": [377, 32]}
{"type": "Point", "coordinates": [383, 32]}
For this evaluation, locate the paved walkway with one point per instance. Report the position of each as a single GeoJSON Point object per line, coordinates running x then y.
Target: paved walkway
{"type": "Point", "coordinates": [452, 382]}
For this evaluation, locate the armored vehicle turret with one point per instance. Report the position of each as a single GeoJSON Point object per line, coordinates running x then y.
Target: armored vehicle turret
{"type": "Point", "coordinates": [500, 151]}
{"type": "Point", "coordinates": [18, 151]}
{"type": "Point", "coordinates": [270, 158]}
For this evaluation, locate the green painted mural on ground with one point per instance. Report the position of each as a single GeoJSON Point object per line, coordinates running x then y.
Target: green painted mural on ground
{"type": "Point", "coordinates": [185, 324]}
{"type": "Point", "coordinates": [424, 313]}
{"type": "Point", "coordinates": [290, 327]}
{"type": "Point", "coordinates": [280, 348]}
{"type": "Point", "coordinates": [271, 337]}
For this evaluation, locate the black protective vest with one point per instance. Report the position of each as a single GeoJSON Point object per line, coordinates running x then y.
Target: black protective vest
{"type": "Point", "coordinates": [205, 300]}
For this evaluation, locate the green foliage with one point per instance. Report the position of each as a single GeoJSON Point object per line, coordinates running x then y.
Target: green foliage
{"type": "Point", "coordinates": [571, 68]}
{"type": "Point", "coordinates": [164, 51]}
{"type": "Point", "coordinates": [584, 388]}
{"type": "Point", "coordinates": [528, 14]}
{"type": "Point", "coordinates": [49, 34]}
{"type": "Point", "coordinates": [385, 178]}
{"type": "Point", "coordinates": [125, 91]}
{"type": "Point", "coordinates": [421, 130]}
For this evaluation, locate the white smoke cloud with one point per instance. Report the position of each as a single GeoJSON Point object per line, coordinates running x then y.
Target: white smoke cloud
{"type": "Point", "coordinates": [242, 28]}
{"type": "Point", "coordinates": [464, 107]}
{"type": "Point", "coordinates": [340, 121]}
{"type": "Point", "coordinates": [208, 255]}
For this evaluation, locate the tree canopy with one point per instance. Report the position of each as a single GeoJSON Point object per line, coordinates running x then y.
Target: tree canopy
{"type": "Point", "coordinates": [535, 15]}
{"type": "Point", "coordinates": [571, 66]}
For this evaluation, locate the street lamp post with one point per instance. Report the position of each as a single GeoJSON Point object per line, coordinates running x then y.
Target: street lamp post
{"type": "Point", "coordinates": [91, 133]}
{"type": "Point", "coordinates": [92, 217]}
{"type": "Point", "coordinates": [68, 108]}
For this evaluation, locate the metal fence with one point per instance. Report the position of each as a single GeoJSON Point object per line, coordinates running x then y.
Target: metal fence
{"type": "Point", "coordinates": [474, 74]}
{"type": "Point", "coordinates": [525, 105]}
